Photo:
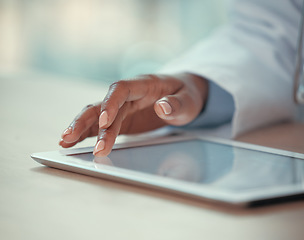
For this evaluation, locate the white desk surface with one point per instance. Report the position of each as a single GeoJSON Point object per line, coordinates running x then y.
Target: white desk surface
{"type": "Point", "coordinates": [38, 202]}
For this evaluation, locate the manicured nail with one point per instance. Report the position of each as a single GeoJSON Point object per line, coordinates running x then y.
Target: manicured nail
{"type": "Point", "coordinates": [165, 106]}
{"type": "Point", "coordinates": [103, 119]}
{"type": "Point", "coordinates": [99, 147]}
{"type": "Point", "coordinates": [66, 132]}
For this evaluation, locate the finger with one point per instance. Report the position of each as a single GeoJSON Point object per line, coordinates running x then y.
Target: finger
{"type": "Point", "coordinates": [147, 88]}
{"type": "Point", "coordinates": [180, 108]}
{"type": "Point", "coordinates": [83, 121]}
{"type": "Point", "coordinates": [66, 145]}
{"type": "Point", "coordinates": [107, 137]}
{"type": "Point", "coordinates": [89, 133]}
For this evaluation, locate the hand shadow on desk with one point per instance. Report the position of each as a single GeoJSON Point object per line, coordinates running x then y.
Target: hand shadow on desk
{"type": "Point", "coordinates": [228, 209]}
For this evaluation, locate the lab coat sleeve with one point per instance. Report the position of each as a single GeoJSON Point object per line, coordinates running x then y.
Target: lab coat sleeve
{"type": "Point", "coordinates": [252, 58]}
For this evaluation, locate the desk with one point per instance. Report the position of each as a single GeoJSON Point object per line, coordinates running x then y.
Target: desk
{"type": "Point", "coordinates": [43, 203]}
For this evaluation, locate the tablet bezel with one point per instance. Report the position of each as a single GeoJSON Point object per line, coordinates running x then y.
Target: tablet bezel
{"type": "Point", "coordinates": [58, 159]}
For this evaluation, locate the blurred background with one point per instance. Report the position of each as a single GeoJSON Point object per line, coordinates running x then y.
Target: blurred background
{"type": "Point", "coordinates": [101, 40]}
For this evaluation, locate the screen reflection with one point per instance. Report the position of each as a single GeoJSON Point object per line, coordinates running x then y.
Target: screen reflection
{"type": "Point", "coordinates": [188, 161]}
{"type": "Point", "coordinates": [218, 165]}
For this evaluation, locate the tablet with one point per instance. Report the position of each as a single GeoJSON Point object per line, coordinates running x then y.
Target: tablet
{"type": "Point", "coordinates": [204, 168]}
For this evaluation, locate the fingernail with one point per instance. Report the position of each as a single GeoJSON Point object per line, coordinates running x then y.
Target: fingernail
{"type": "Point", "coordinates": [103, 119]}
{"type": "Point", "coordinates": [66, 132]}
{"type": "Point", "coordinates": [165, 106]}
{"type": "Point", "coordinates": [99, 146]}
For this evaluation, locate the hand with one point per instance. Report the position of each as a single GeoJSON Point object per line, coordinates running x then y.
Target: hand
{"type": "Point", "coordinates": [138, 105]}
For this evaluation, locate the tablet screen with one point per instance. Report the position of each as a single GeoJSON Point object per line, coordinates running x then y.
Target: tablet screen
{"type": "Point", "coordinates": [202, 162]}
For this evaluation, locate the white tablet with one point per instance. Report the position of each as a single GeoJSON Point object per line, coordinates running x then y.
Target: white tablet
{"type": "Point", "coordinates": [205, 168]}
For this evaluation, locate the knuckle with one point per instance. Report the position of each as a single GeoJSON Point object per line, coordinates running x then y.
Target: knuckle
{"type": "Point", "coordinates": [119, 85]}
{"type": "Point", "coordinates": [107, 134]}
{"type": "Point", "coordinates": [87, 107]}
{"type": "Point", "coordinates": [111, 134]}
{"type": "Point", "coordinates": [151, 77]}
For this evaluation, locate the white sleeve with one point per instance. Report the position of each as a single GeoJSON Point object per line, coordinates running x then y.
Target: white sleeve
{"type": "Point", "coordinates": [253, 59]}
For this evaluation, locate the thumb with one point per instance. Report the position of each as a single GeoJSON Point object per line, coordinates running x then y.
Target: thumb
{"type": "Point", "coordinates": [178, 109]}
